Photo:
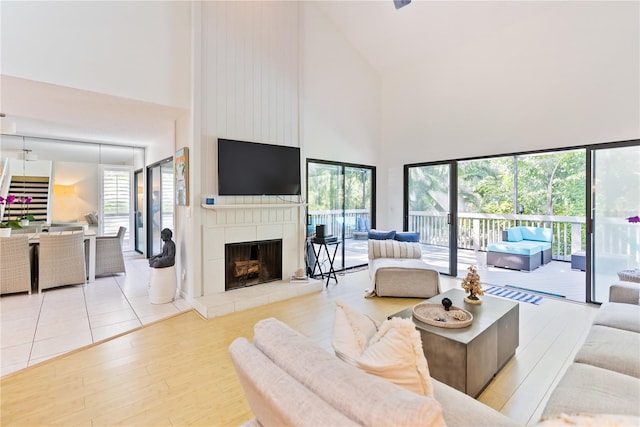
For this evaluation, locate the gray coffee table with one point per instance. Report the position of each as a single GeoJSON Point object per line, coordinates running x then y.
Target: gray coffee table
{"type": "Point", "coordinates": [468, 358]}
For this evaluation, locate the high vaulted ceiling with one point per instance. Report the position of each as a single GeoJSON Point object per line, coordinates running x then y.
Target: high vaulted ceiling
{"type": "Point", "coordinates": [393, 39]}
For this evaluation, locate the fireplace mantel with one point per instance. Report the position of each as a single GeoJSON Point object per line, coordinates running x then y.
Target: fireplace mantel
{"type": "Point", "coordinates": [254, 206]}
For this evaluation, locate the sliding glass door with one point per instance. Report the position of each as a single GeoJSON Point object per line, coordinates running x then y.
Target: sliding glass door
{"type": "Point", "coordinates": [461, 209]}
{"type": "Point", "coordinates": [428, 210]}
{"type": "Point", "coordinates": [615, 198]}
{"type": "Point", "coordinates": [160, 199]}
{"type": "Point", "coordinates": [340, 197]}
{"type": "Point", "coordinates": [138, 204]}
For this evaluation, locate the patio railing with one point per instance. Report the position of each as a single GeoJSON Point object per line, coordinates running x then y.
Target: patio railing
{"type": "Point", "coordinates": [476, 230]}
{"type": "Point", "coordinates": [333, 220]}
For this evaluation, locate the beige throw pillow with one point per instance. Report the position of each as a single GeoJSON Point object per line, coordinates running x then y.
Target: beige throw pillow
{"type": "Point", "coordinates": [352, 331]}
{"type": "Point", "coordinates": [393, 351]}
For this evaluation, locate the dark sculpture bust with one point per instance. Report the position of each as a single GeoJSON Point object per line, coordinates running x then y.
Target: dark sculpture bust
{"type": "Point", "coordinates": [168, 256]}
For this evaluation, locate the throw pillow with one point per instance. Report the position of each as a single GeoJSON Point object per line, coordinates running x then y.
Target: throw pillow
{"type": "Point", "coordinates": [393, 350]}
{"type": "Point", "coordinates": [381, 235]}
{"type": "Point", "coordinates": [514, 234]}
{"type": "Point", "coordinates": [352, 331]}
{"type": "Point", "coordinates": [395, 354]}
{"type": "Point", "coordinates": [408, 236]}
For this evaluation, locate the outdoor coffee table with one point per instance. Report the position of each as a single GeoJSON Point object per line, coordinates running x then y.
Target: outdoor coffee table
{"type": "Point", "coordinates": [468, 358]}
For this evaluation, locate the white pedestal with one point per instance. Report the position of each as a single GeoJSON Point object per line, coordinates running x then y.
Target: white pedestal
{"type": "Point", "coordinates": [162, 285]}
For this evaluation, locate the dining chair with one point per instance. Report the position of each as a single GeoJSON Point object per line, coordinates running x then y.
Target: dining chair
{"type": "Point", "coordinates": [25, 230]}
{"type": "Point", "coordinates": [61, 260]}
{"type": "Point", "coordinates": [109, 257]}
{"type": "Point", "coordinates": [16, 258]}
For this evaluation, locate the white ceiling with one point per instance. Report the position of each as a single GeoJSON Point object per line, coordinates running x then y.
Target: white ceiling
{"type": "Point", "coordinates": [50, 111]}
{"type": "Point", "coordinates": [390, 40]}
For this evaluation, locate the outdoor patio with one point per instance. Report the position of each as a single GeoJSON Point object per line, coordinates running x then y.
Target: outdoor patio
{"type": "Point", "coordinates": [553, 279]}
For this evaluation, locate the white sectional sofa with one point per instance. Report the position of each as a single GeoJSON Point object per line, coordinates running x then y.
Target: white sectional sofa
{"type": "Point", "coordinates": [291, 381]}
{"type": "Point", "coordinates": [605, 374]}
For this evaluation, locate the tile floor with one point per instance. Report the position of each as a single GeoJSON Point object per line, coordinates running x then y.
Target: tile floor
{"type": "Point", "coordinates": [38, 327]}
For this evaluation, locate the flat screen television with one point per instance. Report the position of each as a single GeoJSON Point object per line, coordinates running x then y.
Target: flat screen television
{"type": "Point", "coordinates": [254, 169]}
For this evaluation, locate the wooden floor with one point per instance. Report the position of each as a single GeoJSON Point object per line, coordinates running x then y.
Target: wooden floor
{"type": "Point", "coordinates": [178, 372]}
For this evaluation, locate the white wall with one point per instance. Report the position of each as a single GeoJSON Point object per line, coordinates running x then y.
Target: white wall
{"type": "Point", "coordinates": [340, 95]}
{"type": "Point", "coordinates": [85, 197]}
{"type": "Point", "coordinates": [561, 74]}
{"type": "Point", "coordinates": [134, 49]}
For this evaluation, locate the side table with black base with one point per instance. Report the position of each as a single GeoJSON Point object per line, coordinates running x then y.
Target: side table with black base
{"type": "Point", "coordinates": [330, 256]}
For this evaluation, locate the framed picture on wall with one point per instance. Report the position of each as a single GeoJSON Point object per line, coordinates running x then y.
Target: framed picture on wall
{"type": "Point", "coordinates": [181, 162]}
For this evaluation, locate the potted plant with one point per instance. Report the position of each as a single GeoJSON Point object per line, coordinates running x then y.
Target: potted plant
{"type": "Point", "coordinates": [26, 217]}
{"type": "Point", "coordinates": [6, 226]}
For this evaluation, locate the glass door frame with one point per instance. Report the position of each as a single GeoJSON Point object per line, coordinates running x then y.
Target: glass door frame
{"type": "Point", "coordinates": [149, 217]}
{"type": "Point", "coordinates": [590, 189]}
{"type": "Point", "coordinates": [452, 215]}
{"type": "Point", "coordinates": [139, 209]}
{"type": "Point", "coordinates": [343, 166]}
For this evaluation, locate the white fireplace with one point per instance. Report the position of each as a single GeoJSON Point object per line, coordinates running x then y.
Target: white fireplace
{"type": "Point", "coordinates": [250, 222]}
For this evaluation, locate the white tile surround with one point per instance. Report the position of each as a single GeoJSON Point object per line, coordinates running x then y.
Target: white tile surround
{"type": "Point", "coordinates": [248, 221]}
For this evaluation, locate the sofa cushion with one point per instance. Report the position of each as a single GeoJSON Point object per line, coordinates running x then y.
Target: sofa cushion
{"type": "Point", "coordinates": [536, 234]}
{"type": "Point", "coordinates": [393, 249]}
{"type": "Point", "coordinates": [268, 390]}
{"type": "Point", "coordinates": [366, 399]}
{"type": "Point", "coordinates": [613, 349]}
{"type": "Point", "coordinates": [514, 234]}
{"type": "Point", "coordinates": [523, 247]}
{"type": "Point", "coordinates": [460, 409]}
{"type": "Point", "coordinates": [381, 235]}
{"type": "Point", "coordinates": [393, 351]}
{"type": "Point", "coordinates": [352, 332]}
{"type": "Point", "coordinates": [407, 236]}
{"type": "Point", "coordinates": [589, 389]}
{"type": "Point", "coordinates": [625, 292]}
{"type": "Point", "coordinates": [619, 315]}
{"type": "Point", "coordinates": [590, 420]}
{"type": "Point", "coordinates": [402, 277]}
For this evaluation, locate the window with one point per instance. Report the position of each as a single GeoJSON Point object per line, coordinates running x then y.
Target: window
{"type": "Point", "coordinates": [116, 202]}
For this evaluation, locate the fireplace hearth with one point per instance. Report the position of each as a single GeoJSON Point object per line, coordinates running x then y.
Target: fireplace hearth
{"type": "Point", "coordinates": [252, 263]}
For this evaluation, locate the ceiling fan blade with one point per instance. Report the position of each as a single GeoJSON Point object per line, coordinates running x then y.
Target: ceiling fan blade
{"type": "Point", "coordinates": [400, 3]}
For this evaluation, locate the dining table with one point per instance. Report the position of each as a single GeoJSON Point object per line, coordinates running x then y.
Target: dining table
{"type": "Point", "coordinates": [89, 236]}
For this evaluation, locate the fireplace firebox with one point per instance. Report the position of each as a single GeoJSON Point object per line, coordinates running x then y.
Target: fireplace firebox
{"type": "Point", "coordinates": [252, 263]}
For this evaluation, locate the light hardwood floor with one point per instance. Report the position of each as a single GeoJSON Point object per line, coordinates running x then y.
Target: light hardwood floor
{"type": "Point", "coordinates": [178, 372]}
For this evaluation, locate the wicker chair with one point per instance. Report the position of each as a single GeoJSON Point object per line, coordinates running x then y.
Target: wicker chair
{"type": "Point", "coordinates": [61, 260]}
{"type": "Point", "coordinates": [15, 264]}
{"type": "Point", "coordinates": [25, 230]}
{"type": "Point", "coordinates": [109, 258]}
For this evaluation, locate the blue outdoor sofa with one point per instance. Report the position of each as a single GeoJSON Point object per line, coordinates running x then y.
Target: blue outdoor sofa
{"type": "Point", "coordinates": [521, 248]}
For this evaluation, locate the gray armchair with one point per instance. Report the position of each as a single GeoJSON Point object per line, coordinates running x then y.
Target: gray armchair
{"type": "Point", "coordinates": [109, 257]}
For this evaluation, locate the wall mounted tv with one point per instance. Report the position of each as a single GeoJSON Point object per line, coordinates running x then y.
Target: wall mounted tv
{"type": "Point", "coordinates": [253, 169]}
